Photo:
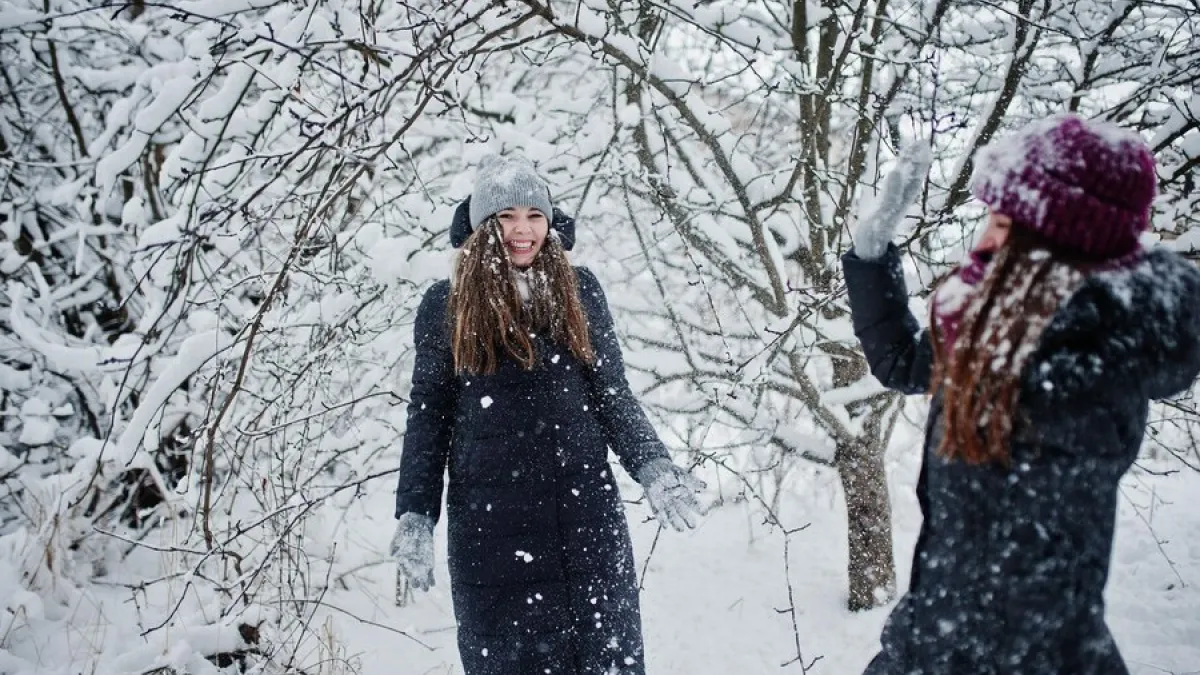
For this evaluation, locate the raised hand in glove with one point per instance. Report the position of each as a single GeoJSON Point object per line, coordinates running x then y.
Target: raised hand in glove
{"type": "Point", "coordinates": [671, 492]}
{"type": "Point", "coordinates": [900, 189]}
{"type": "Point", "coordinates": [412, 547]}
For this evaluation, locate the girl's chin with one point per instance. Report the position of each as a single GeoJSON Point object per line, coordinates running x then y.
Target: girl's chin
{"type": "Point", "coordinates": [523, 259]}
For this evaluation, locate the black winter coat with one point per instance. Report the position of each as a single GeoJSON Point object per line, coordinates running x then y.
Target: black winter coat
{"type": "Point", "coordinates": [1011, 562]}
{"type": "Point", "coordinates": [542, 571]}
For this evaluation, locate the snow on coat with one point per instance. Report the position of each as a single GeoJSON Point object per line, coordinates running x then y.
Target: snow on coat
{"type": "Point", "coordinates": [542, 571]}
{"type": "Point", "coordinates": [1011, 562]}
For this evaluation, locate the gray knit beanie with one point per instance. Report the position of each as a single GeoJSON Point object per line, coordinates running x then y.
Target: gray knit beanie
{"type": "Point", "coordinates": [504, 183]}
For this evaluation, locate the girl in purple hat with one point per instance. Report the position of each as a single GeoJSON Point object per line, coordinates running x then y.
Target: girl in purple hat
{"type": "Point", "coordinates": [1044, 352]}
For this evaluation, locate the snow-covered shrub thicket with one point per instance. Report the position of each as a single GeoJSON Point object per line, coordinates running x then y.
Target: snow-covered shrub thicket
{"type": "Point", "coordinates": [215, 219]}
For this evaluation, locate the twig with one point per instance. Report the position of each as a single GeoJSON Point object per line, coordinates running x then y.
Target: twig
{"type": "Point", "coordinates": [790, 610]}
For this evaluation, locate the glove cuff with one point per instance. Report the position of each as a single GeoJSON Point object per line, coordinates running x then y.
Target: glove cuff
{"type": "Point", "coordinates": [652, 470]}
{"type": "Point", "coordinates": [415, 521]}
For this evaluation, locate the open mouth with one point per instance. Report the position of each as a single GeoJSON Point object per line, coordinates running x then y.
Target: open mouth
{"type": "Point", "coordinates": [520, 247]}
{"type": "Point", "coordinates": [983, 257]}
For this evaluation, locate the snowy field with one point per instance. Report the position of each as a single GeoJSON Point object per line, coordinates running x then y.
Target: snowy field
{"type": "Point", "coordinates": [709, 605]}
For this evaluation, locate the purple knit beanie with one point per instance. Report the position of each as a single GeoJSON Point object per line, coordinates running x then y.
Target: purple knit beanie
{"type": "Point", "coordinates": [1084, 185]}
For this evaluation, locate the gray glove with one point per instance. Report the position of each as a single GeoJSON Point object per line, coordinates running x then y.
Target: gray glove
{"type": "Point", "coordinates": [412, 547]}
{"type": "Point", "coordinates": [900, 189]}
{"type": "Point", "coordinates": [671, 492]}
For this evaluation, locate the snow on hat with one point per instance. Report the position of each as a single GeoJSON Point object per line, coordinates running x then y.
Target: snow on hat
{"type": "Point", "coordinates": [1085, 185]}
{"type": "Point", "coordinates": [506, 182]}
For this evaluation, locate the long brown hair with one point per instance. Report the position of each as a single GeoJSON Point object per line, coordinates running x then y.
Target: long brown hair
{"type": "Point", "coordinates": [488, 318]}
{"type": "Point", "coordinates": [980, 374]}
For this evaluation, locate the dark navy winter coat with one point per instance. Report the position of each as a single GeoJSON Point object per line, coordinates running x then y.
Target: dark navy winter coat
{"type": "Point", "coordinates": [542, 571]}
{"type": "Point", "coordinates": [1010, 566]}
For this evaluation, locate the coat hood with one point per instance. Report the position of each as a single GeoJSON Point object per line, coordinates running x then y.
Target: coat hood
{"type": "Point", "coordinates": [1137, 326]}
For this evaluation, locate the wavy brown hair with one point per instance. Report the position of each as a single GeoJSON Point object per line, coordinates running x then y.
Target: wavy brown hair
{"type": "Point", "coordinates": [489, 320]}
{"type": "Point", "coordinates": [980, 374]}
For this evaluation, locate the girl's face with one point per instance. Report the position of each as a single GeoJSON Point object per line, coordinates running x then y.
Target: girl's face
{"type": "Point", "coordinates": [524, 230]}
{"type": "Point", "coordinates": [996, 234]}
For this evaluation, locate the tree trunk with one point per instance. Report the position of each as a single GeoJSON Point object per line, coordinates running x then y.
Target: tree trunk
{"type": "Point", "coordinates": [870, 564]}
{"type": "Point", "coordinates": [871, 567]}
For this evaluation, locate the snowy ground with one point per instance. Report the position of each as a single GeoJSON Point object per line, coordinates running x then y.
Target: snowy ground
{"type": "Point", "coordinates": [709, 605]}
{"type": "Point", "coordinates": [711, 596]}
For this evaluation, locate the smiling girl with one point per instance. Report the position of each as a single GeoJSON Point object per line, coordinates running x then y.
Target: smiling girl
{"type": "Point", "coordinates": [519, 389]}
